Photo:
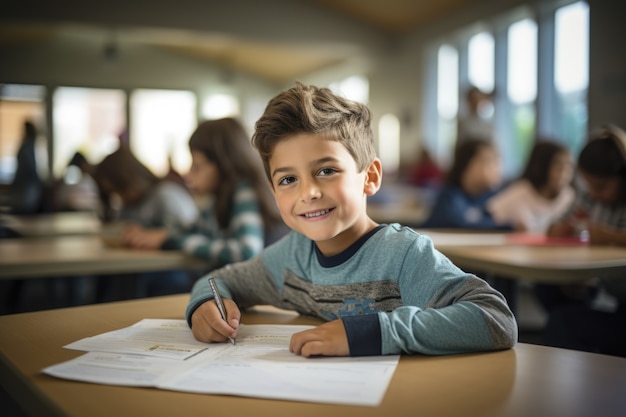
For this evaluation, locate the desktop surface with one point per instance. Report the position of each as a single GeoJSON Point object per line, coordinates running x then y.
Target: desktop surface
{"type": "Point", "coordinates": [528, 380]}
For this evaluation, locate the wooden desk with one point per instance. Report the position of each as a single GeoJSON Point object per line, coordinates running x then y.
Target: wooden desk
{"type": "Point", "coordinates": [526, 381]}
{"type": "Point", "coordinates": [82, 255]}
{"type": "Point", "coordinates": [493, 253]}
{"type": "Point", "coordinates": [53, 224]}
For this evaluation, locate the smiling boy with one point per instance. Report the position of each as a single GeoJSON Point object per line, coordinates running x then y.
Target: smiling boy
{"type": "Point", "coordinates": [382, 289]}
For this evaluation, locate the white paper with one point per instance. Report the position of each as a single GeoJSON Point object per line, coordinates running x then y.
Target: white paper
{"type": "Point", "coordinates": [152, 337]}
{"type": "Point", "coordinates": [259, 365]}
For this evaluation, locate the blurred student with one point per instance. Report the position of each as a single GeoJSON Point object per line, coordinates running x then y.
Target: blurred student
{"type": "Point", "coordinates": [477, 121]}
{"type": "Point", "coordinates": [238, 213]}
{"type": "Point", "coordinates": [77, 190]}
{"type": "Point", "coordinates": [426, 172]}
{"type": "Point", "coordinates": [146, 202]}
{"type": "Point", "coordinates": [475, 177]}
{"type": "Point", "coordinates": [541, 195]}
{"type": "Point", "coordinates": [577, 322]}
{"type": "Point", "coordinates": [26, 191]}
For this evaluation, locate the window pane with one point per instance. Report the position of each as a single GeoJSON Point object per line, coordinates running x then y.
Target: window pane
{"type": "Point", "coordinates": [522, 62]}
{"type": "Point", "coordinates": [86, 120]}
{"type": "Point", "coordinates": [162, 122]}
{"type": "Point", "coordinates": [389, 143]}
{"type": "Point", "coordinates": [217, 106]}
{"type": "Point", "coordinates": [481, 51]}
{"type": "Point", "coordinates": [447, 82]}
{"type": "Point", "coordinates": [447, 101]}
{"type": "Point", "coordinates": [355, 88]}
{"type": "Point", "coordinates": [572, 48]}
{"type": "Point", "coordinates": [19, 103]}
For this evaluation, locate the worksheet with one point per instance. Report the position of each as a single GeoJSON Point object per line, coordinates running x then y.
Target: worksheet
{"type": "Point", "coordinates": [258, 365]}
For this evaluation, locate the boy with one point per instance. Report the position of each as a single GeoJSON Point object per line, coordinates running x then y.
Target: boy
{"type": "Point", "coordinates": [383, 289]}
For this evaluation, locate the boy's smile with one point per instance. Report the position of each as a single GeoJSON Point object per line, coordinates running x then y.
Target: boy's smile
{"type": "Point", "coordinates": [320, 193]}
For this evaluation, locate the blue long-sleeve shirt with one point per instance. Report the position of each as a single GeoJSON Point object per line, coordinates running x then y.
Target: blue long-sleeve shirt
{"type": "Point", "coordinates": [393, 290]}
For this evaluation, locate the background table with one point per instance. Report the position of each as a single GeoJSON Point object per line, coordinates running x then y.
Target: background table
{"type": "Point", "coordinates": [525, 381]}
{"type": "Point", "coordinates": [53, 224]}
{"type": "Point", "coordinates": [81, 255]}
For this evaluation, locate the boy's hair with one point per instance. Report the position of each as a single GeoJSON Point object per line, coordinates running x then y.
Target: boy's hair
{"type": "Point", "coordinates": [225, 143]}
{"type": "Point", "coordinates": [463, 156]}
{"type": "Point", "coordinates": [540, 160]}
{"type": "Point", "coordinates": [312, 110]}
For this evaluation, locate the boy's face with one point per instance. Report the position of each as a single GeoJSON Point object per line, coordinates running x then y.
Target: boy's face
{"type": "Point", "coordinates": [320, 193]}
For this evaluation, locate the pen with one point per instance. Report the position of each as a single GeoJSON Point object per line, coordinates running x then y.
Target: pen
{"type": "Point", "coordinates": [219, 302]}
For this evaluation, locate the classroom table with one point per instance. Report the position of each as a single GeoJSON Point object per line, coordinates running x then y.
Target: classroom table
{"type": "Point", "coordinates": [528, 380]}
{"type": "Point", "coordinates": [53, 224]}
{"type": "Point", "coordinates": [511, 256]}
{"type": "Point", "coordinates": [25, 258]}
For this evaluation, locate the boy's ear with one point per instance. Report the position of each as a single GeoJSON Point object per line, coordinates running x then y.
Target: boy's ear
{"type": "Point", "coordinates": [373, 177]}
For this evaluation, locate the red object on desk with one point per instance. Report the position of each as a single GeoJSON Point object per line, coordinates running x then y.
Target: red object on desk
{"type": "Point", "coordinates": [543, 240]}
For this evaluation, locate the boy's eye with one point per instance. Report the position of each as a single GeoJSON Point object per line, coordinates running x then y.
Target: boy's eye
{"type": "Point", "coordinates": [286, 180]}
{"type": "Point", "coordinates": [327, 171]}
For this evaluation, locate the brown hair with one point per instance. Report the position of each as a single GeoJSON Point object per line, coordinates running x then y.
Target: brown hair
{"type": "Point", "coordinates": [225, 143]}
{"type": "Point", "coordinates": [313, 110]}
{"type": "Point", "coordinates": [464, 153]}
{"type": "Point", "coordinates": [540, 160]}
{"type": "Point", "coordinates": [123, 171]}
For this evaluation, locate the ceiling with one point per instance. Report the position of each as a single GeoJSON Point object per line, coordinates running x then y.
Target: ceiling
{"type": "Point", "coordinates": [270, 61]}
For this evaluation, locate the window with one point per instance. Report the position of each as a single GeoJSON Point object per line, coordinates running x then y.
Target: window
{"type": "Point", "coordinates": [354, 88]}
{"type": "Point", "coordinates": [161, 123]}
{"type": "Point", "coordinates": [447, 100]}
{"type": "Point", "coordinates": [19, 103]}
{"type": "Point", "coordinates": [534, 57]}
{"type": "Point", "coordinates": [571, 72]}
{"type": "Point", "coordinates": [88, 120]}
{"type": "Point", "coordinates": [389, 143]}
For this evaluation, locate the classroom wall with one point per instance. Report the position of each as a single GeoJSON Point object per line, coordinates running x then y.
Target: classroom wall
{"type": "Point", "coordinates": [394, 66]}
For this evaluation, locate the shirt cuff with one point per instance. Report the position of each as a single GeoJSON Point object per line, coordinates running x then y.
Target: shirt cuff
{"type": "Point", "coordinates": [364, 335]}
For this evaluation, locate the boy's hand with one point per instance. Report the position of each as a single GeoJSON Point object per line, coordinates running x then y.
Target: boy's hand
{"type": "Point", "coordinates": [207, 324]}
{"type": "Point", "coordinates": [328, 339]}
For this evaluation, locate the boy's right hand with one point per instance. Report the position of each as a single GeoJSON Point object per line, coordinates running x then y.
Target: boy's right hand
{"type": "Point", "coordinates": [208, 326]}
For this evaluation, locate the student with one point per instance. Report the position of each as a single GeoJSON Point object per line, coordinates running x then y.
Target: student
{"type": "Point", "coordinates": [238, 214]}
{"type": "Point", "coordinates": [475, 177]}
{"type": "Point", "coordinates": [382, 289]}
{"type": "Point", "coordinates": [578, 322]}
{"type": "Point", "coordinates": [146, 202]}
{"type": "Point", "coordinates": [145, 199]}
{"type": "Point", "coordinates": [541, 195]}
{"type": "Point", "coordinates": [477, 122]}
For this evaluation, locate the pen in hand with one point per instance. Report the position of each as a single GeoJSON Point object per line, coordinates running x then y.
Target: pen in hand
{"type": "Point", "coordinates": [220, 303]}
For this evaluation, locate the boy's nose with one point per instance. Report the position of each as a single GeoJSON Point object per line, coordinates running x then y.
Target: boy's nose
{"type": "Point", "coordinates": [309, 190]}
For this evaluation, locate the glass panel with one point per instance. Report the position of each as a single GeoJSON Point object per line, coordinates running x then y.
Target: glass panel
{"type": "Point", "coordinates": [522, 92]}
{"type": "Point", "coordinates": [88, 120]}
{"type": "Point", "coordinates": [161, 123]}
{"type": "Point", "coordinates": [19, 103]}
{"type": "Point", "coordinates": [481, 49]}
{"type": "Point", "coordinates": [571, 74]}
{"type": "Point", "coordinates": [355, 88]}
{"type": "Point", "coordinates": [217, 106]}
{"type": "Point", "coordinates": [447, 100]}
{"type": "Point", "coordinates": [389, 143]}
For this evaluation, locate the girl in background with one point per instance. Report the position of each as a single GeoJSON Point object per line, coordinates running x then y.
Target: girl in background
{"type": "Point", "coordinates": [475, 177]}
{"type": "Point", "coordinates": [144, 198]}
{"type": "Point", "coordinates": [146, 202]}
{"type": "Point", "coordinates": [541, 195]}
{"type": "Point", "coordinates": [581, 322]}
{"type": "Point", "coordinates": [238, 213]}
